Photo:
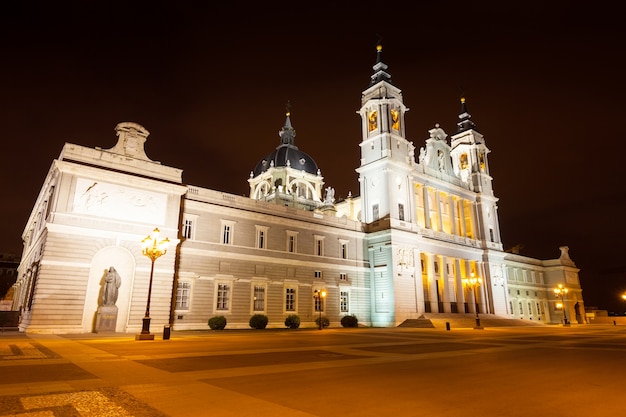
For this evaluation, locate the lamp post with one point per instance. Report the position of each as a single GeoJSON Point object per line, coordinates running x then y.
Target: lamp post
{"type": "Point", "coordinates": [474, 282]}
{"type": "Point", "coordinates": [153, 248]}
{"type": "Point", "coordinates": [319, 296]}
{"type": "Point", "coordinates": [561, 292]}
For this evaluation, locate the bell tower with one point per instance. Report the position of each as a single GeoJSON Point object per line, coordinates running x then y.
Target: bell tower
{"type": "Point", "coordinates": [469, 161]}
{"type": "Point", "coordinates": [386, 155]}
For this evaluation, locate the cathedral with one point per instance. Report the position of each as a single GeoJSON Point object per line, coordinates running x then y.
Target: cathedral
{"type": "Point", "coordinates": [421, 239]}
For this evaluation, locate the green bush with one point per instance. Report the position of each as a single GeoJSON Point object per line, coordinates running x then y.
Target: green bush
{"type": "Point", "coordinates": [217, 323]}
{"type": "Point", "coordinates": [258, 321]}
{"type": "Point", "coordinates": [325, 321]}
{"type": "Point", "coordinates": [350, 321]}
{"type": "Point", "coordinates": [292, 321]}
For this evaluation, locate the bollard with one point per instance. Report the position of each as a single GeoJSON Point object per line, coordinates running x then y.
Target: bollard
{"type": "Point", "coordinates": [166, 333]}
{"type": "Point", "coordinates": [447, 325]}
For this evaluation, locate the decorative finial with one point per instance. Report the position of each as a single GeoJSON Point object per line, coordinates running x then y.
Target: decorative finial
{"type": "Point", "coordinates": [462, 99]}
{"type": "Point", "coordinates": [288, 108]}
{"type": "Point", "coordinates": [379, 47]}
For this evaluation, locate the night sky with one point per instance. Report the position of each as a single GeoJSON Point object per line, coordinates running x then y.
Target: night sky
{"type": "Point", "coordinates": [545, 84]}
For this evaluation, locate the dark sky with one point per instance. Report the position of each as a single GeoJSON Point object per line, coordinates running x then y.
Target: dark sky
{"type": "Point", "coordinates": [545, 84]}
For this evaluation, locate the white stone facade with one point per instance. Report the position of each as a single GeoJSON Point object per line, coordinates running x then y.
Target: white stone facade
{"type": "Point", "coordinates": [421, 227]}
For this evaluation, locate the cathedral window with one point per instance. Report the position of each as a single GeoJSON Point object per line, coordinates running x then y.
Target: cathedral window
{"type": "Point", "coordinates": [261, 237]}
{"type": "Point", "coordinates": [223, 297]}
{"type": "Point", "coordinates": [228, 232]}
{"type": "Point", "coordinates": [317, 274]}
{"type": "Point", "coordinates": [183, 289]}
{"type": "Point", "coordinates": [259, 298]}
{"type": "Point", "coordinates": [344, 305]}
{"type": "Point", "coordinates": [292, 241]}
{"type": "Point", "coordinates": [319, 245]}
{"type": "Point", "coordinates": [372, 121]}
{"type": "Point", "coordinates": [375, 212]}
{"type": "Point", "coordinates": [401, 212]}
{"type": "Point", "coordinates": [49, 202]}
{"type": "Point", "coordinates": [344, 250]}
{"type": "Point", "coordinates": [189, 222]}
{"type": "Point", "coordinates": [395, 119]}
{"type": "Point", "coordinates": [290, 299]}
{"type": "Point", "coordinates": [187, 228]}
{"type": "Point", "coordinates": [463, 161]}
{"type": "Point", "coordinates": [319, 304]}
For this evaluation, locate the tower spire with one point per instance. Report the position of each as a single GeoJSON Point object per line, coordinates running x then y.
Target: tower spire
{"type": "Point", "coordinates": [288, 133]}
{"type": "Point", "coordinates": [379, 67]}
{"type": "Point", "coordinates": [464, 122]}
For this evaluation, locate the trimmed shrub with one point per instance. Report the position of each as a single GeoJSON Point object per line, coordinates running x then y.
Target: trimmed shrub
{"type": "Point", "coordinates": [325, 321]}
{"type": "Point", "coordinates": [258, 321]}
{"type": "Point", "coordinates": [292, 321]}
{"type": "Point", "coordinates": [217, 323]}
{"type": "Point", "coordinates": [350, 321]}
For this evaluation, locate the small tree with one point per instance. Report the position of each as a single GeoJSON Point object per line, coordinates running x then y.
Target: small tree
{"type": "Point", "coordinates": [258, 321]}
{"type": "Point", "coordinates": [217, 323]}
{"type": "Point", "coordinates": [349, 321]}
{"type": "Point", "coordinates": [292, 321]}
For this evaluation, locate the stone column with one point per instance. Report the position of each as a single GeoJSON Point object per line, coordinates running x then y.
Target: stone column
{"type": "Point", "coordinates": [419, 284]}
{"type": "Point", "coordinates": [439, 216]}
{"type": "Point", "coordinates": [463, 231]}
{"type": "Point", "coordinates": [446, 287]}
{"type": "Point", "coordinates": [426, 209]}
{"type": "Point", "coordinates": [432, 285]}
{"type": "Point", "coordinates": [460, 299]}
{"type": "Point", "coordinates": [453, 218]}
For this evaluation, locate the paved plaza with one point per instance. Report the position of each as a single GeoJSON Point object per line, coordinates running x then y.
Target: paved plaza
{"type": "Point", "coordinates": [501, 371]}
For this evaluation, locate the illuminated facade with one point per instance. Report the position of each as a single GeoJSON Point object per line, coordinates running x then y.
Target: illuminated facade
{"type": "Point", "coordinates": [406, 247]}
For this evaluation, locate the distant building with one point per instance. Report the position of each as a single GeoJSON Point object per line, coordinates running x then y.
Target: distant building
{"type": "Point", "coordinates": [419, 232]}
{"type": "Point", "coordinates": [8, 276]}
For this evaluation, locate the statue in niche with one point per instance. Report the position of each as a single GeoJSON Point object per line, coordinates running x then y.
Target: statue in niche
{"type": "Point", "coordinates": [112, 283]}
{"type": "Point", "coordinates": [422, 155]}
{"type": "Point", "coordinates": [330, 195]}
{"type": "Point", "coordinates": [442, 165]}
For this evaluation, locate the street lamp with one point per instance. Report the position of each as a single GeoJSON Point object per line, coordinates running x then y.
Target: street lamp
{"type": "Point", "coordinates": [561, 292]}
{"type": "Point", "coordinates": [474, 282]}
{"type": "Point", "coordinates": [153, 248]}
{"type": "Point", "coordinates": [319, 296]}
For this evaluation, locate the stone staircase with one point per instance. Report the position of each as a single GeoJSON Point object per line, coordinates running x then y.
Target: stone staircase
{"type": "Point", "coordinates": [462, 321]}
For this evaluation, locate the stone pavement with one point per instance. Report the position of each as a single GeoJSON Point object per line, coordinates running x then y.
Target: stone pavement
{"type": "Point", "coordinates": [342, 372]}
{"type": "Point", "coordinates": [46, 376]}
